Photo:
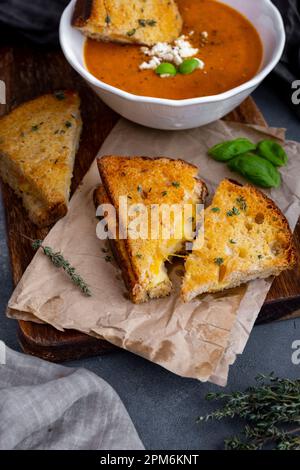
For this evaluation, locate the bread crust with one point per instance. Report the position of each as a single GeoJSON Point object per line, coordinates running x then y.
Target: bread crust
{"type": "Point", "coordinates": [82, 12]}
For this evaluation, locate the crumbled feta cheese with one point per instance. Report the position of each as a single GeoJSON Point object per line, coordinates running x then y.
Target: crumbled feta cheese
{"type": "Point", "coordinates": [151, 65]}
{"type": "Point", "coordinates": [174, 53]}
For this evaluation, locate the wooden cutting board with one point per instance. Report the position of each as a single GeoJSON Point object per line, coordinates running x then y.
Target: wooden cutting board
{"type": "Point", "coordinates": [29, 73]}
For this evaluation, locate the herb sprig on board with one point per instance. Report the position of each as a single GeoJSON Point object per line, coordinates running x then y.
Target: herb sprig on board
{"type": "Point", "coordinates": [270, 410]}
{"type": "Point", "coordinates": [58, 260]}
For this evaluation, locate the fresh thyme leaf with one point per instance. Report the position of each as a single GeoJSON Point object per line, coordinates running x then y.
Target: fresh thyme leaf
{"type": "Point", "coordinates": [35, 128]}
{"type": "Point", "coordinates": [151, 22]}
{"type": "Point", "coordinates": [68, 124]}
{"type": "Point", "coordinates": [139, 189]}
{"type": "Point", "coordinates": [232, 241]}
{"type": "Point", "coordinates": [234, 211]}
{"type": "Point", "coordinates": [131, 32]}
{"type": "Point", "coordinates": [138, 255]}
{"type": "Point", "coordinates": [176, 184]}
{"type": "Point", "coordinates": [164, 193]}
{"type": "Point", "coordinates": [241, 201]}
{"type": "Point", "coordinates": [270, 411]}
{"type": "Point", "coordinates": [142, 22]}
{"type": "Point", "coordinates": [216, 209]}
{"type": "Point", "coordinates": [59, 95]}
{"type": "Point", "coordinates": [58, 260]}
{"type": "Point", "coordinates": [260, 256]}
{"type": "Point", "coordinates": [108, 19]}
{"type": "Point", "coordinates": [219, 261]}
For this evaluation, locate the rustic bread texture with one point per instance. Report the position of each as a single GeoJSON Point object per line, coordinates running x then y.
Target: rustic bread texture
{"type": "Point", "coordinates": [137, 22]}
{"type": "Point", "coordinates": [245, 237]}
{"type": "Point", "coordinates": [148, 181]}
{"type": "Point", "coordinates": [38, 144]}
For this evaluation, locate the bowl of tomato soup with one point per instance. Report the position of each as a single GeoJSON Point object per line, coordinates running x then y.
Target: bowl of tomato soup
{"type": "Point", "coordinates": [237, 42]}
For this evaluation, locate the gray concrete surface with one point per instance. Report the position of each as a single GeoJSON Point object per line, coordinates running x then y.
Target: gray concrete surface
{"type": "Point", "coordinates": [165, 407]}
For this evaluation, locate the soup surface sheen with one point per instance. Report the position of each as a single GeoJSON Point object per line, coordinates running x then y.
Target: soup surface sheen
{"type": "Point", "coordinates": [232, 55]}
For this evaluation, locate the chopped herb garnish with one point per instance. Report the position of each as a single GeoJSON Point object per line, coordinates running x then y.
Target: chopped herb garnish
{"type": "Point", "coordinates": [139, 189]}
{"type": "Point", "coordinates": [35, 128]}
{"type": "Point", "coordinates": [68, 124]}
{"type": "Point", "coordinates": [142, 22]}
{"type": "Point", "coordinates": [138, 255]}
{"type": "Point", "coordinates": [233, 242]}
{"type": "Point", "coordinates": [129, 197]}
{"type": "Point", "coordinates": [241, 203]}
{"type": "Point", "coordinates": [176, 184]}
{"type": "Point", "coordinates": [219, 261]}
{"type": "Point", "coordinates": [108, 259]}
{"type": "Point", "coordinates": [151, 22]}
{"type": "Point", "coordinates": [56, 132]}
{"type": "Point", "coordinates": [234, 211]}
{"type": "Point", "coordinates": [59, 95]}
{"type": "Point", "coordinates": [131, 32]}
{"type": "Point", "coordinates": [215, 209]}
{"type": "Point", "coordinates": [164, 193]}
{"type": "Point", "coordinates": [108, 19]}
{"type": "Point", "coordinates": [260, 256]}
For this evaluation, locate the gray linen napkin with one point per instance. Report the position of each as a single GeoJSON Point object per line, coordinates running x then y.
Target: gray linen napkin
{"type": "Point", "coordinates": [47, 406]}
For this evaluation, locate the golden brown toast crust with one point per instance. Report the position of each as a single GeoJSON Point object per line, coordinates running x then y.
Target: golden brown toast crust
{"type": "Point", "coordinates": [119, 251]}
{"type": "Point", "coordinates": [136, 22]}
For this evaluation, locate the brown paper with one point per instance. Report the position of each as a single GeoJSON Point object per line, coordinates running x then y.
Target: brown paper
{"type": "Point", "coordinates": [199, 339]}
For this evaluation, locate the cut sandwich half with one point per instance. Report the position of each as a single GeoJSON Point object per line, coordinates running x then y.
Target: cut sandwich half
{"type": "Point", "coordinates": [145, 182]}
{"type": "Point", "coordinates": [140, 22]}
{"type": "Point", "coordinates": [246, 237]}
{"type": "Point", "coordinates": [38, 144]}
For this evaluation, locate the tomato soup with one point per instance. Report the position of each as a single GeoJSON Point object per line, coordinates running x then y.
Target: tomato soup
{"type": "Point", "coordinates": [232, 52]}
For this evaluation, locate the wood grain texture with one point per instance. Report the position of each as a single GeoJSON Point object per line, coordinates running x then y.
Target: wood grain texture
{"type": "Point", "coordinates": [29, 73]}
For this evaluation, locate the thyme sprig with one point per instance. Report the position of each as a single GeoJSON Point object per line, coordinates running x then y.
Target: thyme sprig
{"type": "Point", "coordinates": [271, 411]}
{"type": "Point", "coordinates": [58, 260]}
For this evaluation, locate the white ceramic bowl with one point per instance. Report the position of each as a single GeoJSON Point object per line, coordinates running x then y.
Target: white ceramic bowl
{"type": "Point", "coordinates": [182, 114]}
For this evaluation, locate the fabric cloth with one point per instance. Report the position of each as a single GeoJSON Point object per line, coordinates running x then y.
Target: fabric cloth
{"type": "Point", "coordinates": [46, 406]}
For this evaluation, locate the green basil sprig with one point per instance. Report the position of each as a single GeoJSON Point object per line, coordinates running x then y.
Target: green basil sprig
{"type": "Point", "coordinates": [273, 152]}
{"type": "Point", "coordinates": [257, 170]}
{"type": "Point", "coordinates": [257, 163]}
{"type": "Point", "coordinates": [225, 151]}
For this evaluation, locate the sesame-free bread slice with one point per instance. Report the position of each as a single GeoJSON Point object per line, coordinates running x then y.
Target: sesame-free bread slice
{"type": "Point", "coordinates": [148, 181]}
{"type": "Point", "coordinates": [137, 22]}
{"type": "Point", "coordinates": [246, 237]}
{"type": "Point", "coordinates": [38, 144]}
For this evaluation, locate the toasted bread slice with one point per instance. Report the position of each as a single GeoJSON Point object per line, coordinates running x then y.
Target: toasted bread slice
{"type": "Point", "coordinates": [137, 22]}
{"type": "Point", "coordinates": [245, 237]}
{"type": "Point", "coordinates": [38, 144]}
{"type": "Point", "coordinates": [149, 181]}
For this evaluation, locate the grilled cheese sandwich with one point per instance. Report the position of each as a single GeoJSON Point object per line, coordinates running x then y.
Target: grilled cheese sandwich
{"type": "Point", "coordinates": [38, 144]}
{"type": "Point", "coordinates": [137, 22]}
{"type": "Point", "coordinates": [150, 182]}
{"type": "Point", "coordinates": [246, 237]}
